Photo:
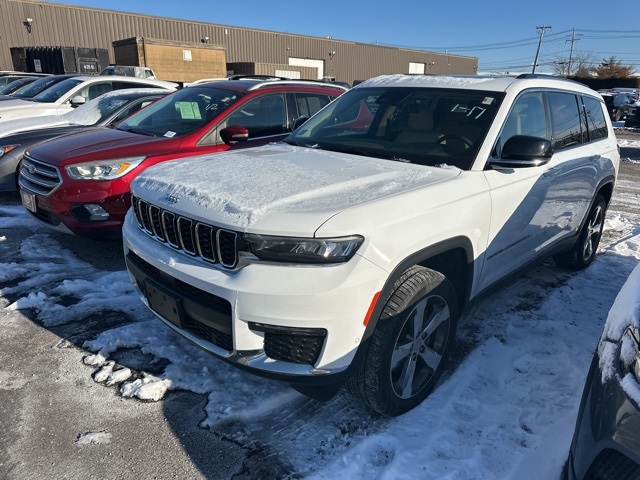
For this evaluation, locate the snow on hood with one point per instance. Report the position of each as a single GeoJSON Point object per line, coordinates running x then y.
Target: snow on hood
{"type": "Point", "coordinates": [241, 188]}
{"type": "Point", "coordinates": [85, 115]}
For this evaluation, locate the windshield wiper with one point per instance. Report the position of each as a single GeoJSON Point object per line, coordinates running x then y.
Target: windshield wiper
{"type": "Point", "coordinates": [138, 131]}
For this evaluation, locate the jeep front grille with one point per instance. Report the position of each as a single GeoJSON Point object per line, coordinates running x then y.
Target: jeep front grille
{"type": "Point", "coordinates": [38, 177]}
{"type": "Point", "coordinates": [197, 239]}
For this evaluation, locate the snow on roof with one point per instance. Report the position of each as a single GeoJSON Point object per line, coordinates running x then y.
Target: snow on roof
{"type": "Point", "coordinates": [438, 81]}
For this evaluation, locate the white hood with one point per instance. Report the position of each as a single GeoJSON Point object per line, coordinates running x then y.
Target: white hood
{"type": "Point", "coordinates": [10, 110]}
{"type": "Point", "coordinates": [277, 189]}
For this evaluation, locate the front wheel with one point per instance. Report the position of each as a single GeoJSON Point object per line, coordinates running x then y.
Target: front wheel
{"type": "Point", "coordinates": [410, 344]}
{"type": "Point", "coordinates": [584, 251]}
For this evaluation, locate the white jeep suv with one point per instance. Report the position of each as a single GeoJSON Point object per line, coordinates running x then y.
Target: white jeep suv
{"type": "Point", "coordinates": [348, 252]}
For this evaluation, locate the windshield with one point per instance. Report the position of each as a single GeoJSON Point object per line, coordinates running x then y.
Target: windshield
{"type": "Point", "coordinates": [180, 113]}
{"type": "Point", "coordinates": [95, 111]}
{"type": "Point", "coordinates": [427, 126]}
{"type": "Point", "coordinates": [54, 93]}
{"type": "Point", "coordinates": [13, 86]}
{"type": "Point", "coordinates": [36, 87]}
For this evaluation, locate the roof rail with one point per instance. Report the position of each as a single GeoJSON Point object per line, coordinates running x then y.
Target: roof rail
{"type": "Point", "coordinates": [256, 77]}
{"type": "Point", "coordinates": [288, 81]}
{"type": "Point", "coordinates": [547, 76]}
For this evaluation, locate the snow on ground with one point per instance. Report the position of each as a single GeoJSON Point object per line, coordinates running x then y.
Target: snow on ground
{"type": "Point", "coordinates": [505, 409]}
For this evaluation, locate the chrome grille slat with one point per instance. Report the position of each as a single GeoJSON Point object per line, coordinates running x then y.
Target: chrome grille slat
{"type": "Point", "coordinates": [144, 216]}
{"type": "Point", "coordinates": [169, 225]}
{"type": "Point", "coordinates": [226, 241]}
{"type": "Point", "coordinates": [156, 222]}
{"type": "Point", "coordinates": [186, 235]}
{"type": "Point", "coordinates": [207, 242]}
{"type": "Point", "coordinates": [38, 177]}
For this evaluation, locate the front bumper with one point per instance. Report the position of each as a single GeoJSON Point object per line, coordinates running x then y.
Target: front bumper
{"type": "Point", "coordinates": [67, 214]}
{"type": "Point", "coordinates": [302, 324]}
{"type": "Point", "coordinates": [606, 442]}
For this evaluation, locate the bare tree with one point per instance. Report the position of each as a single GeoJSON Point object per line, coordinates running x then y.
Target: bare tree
{"type": "Point", "coordinates": [581, 65]}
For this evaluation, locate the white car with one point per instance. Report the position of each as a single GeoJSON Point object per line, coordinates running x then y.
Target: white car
{"type": "Point", "coordinates": [72, 92]}
{"type": "Point", "coordinates": [348, 252]}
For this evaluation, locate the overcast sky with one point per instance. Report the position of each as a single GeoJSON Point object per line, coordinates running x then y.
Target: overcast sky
{"type": "Point", "coordinates": [502, 34]}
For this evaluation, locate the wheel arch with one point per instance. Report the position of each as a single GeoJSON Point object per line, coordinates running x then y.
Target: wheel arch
{"type": "Point", "coordinates": [606, 190]}
{"type": "Point", "coordinates": [453, 258]}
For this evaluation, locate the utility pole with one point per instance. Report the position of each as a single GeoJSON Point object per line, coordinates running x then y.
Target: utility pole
{"type": "Point", "coordinates": [573, 39]}
{"type": "Point", "coordinates": [541, 29]}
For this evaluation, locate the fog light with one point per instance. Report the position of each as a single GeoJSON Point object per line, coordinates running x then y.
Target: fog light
{"type": "Point", "coordinates": [89, 212]}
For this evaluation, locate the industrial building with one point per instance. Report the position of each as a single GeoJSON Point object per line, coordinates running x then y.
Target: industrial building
{"type": "Point", "coordinates": [26, 23]}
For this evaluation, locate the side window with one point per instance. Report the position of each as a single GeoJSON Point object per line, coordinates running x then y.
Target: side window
{"type": "Point", "coordinates": [262, 116]}
{"type": "Point", "coordinates": [121, 85]}
{"type": "Point", "coordinates": [595, 119]}
{"type": "Point", "coordinates": [130, 110]}
{"type": "Point", "coordinates": [94, 91]}
{"type": "Point", "coordinates": [310, 103]}
{"type": "Point", "coordinates": [566, 120]}
{"type": "Point", "coordinates": [527, 117]}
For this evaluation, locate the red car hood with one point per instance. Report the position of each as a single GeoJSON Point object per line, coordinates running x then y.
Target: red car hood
{"type": "Point", "coordinates": [100, 144]}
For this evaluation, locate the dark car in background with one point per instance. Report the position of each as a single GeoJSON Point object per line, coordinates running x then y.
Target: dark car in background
{"type": "Point", "coordinates": [105, 111]}
{"type": "Point", "coordinates": [606, 441]}
{"type": "Point", "coordinates": [80, 183]}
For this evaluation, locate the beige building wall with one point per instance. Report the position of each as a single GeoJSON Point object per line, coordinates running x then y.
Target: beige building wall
{"type": "Point", "coordinates": [64, 25]}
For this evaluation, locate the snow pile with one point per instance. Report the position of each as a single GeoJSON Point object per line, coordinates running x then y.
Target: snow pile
{"type": "Point", "coordinates": [94, 438]}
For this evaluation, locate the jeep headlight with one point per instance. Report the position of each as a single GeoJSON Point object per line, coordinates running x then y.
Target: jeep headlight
{"type": "Point", "coordinates": [303, 250]}
{"type": "Point", "coordinates": [103, 169]}
{"type": "Point", "coordinates": [7, 148]}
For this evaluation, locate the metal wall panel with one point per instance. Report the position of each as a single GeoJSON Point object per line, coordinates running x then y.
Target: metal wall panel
{"type": "Point", "coordinates": [64, 25]}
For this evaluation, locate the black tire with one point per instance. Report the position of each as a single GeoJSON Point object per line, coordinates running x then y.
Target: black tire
{"type": "Point", "coordinates": [408, 349]}
{"type": "Point", "coordinates": [586, 247]}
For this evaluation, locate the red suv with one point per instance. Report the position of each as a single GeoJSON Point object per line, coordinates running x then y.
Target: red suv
{"type": "Point", "coordinates": [80, 182]}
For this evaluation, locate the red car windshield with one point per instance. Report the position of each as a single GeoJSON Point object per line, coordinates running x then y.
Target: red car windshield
{"type": "Point", "coordinates": [180, 113]}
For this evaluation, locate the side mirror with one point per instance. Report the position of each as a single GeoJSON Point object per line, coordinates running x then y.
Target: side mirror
{"type": "Point", "coordinates": [524, 151]}
{"type": "Point", "coordinates": [77, 101]}
{"type": "Point", "coordinates": [299, 121]}
{"type": "Point", "coordinates": [233, 134]}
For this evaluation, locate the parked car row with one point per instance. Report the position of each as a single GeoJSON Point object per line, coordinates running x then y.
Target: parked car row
{"type": "Point", "coordinates": [346, 253]}
{"type": "Point", "coordinates": [105, 111]}
{"type": "Point", "coordinates": [80, 183]}
{"type": "Point", "coordinates": [623, 104]}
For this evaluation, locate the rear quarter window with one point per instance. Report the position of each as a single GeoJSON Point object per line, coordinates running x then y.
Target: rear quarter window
{"type": "Point", "coordinates": [310, 103]}
{"type": "Point", "coordinates": [596, 122]}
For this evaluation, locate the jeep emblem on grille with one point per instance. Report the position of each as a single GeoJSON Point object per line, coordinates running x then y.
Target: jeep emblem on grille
{"type": "Point", "coordinates": [168, 198]}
